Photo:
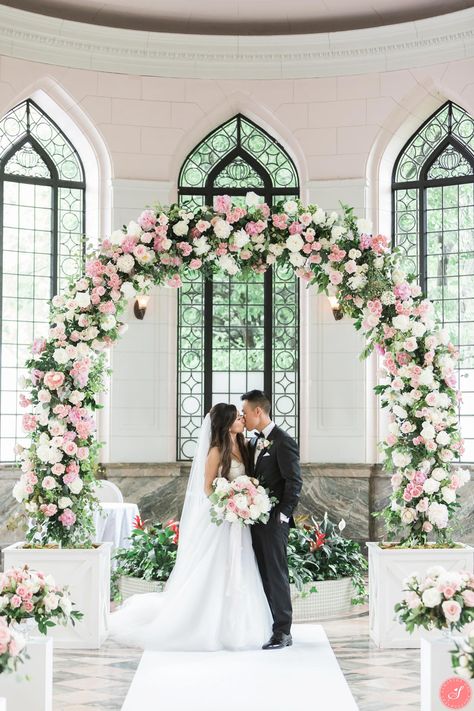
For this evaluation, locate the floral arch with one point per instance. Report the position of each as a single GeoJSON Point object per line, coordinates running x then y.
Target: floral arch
{"type": "Point", "coordinates": [336, 253]}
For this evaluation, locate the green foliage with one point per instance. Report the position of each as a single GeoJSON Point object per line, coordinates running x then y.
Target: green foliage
{"type": "Point", "coordinates": [152, 553]}
{"type": "Point", "coordinates": [320, 552]}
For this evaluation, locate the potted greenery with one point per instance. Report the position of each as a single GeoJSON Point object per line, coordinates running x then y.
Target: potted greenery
{"type": "Point", "coordinates": [147, 563]}
{"type": "Point", "coordinates": [322, 561]}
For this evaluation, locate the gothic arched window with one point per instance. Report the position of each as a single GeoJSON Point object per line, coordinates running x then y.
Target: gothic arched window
{"type": "Point", "coordinates": [433, 225]}
{"type": "Point", "coordinates": [237, 333]}
{"type": "Point", "coordinates": [42, 192]}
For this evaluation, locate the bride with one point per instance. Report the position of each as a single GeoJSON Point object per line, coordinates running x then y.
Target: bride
{"type": "Point", "coordinates": [214, 598]}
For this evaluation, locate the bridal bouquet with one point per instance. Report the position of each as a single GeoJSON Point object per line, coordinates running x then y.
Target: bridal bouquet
{"type": "Point", "coordinates": [442, 599]}
{"type": "Point", "coordinates": [462, 658]}
{"type": "Point", "coordinates": [29, 594]}
{"type": "Point", "coordinates": [242, 501]}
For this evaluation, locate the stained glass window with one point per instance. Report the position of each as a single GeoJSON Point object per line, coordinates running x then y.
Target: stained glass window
{"type": "Point", "coordinates": [433, 207]}
{"type": "Point", "coordinates": [237, 333]}
{"type": "Point", "coordinates": [41, 243]}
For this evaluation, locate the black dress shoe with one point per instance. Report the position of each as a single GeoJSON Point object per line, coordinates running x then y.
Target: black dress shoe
{"type": "Point", "coordinates": [278, 641]}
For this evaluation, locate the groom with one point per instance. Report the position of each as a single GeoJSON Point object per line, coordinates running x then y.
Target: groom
{"type": "Point", "coordinates": [275, 463]}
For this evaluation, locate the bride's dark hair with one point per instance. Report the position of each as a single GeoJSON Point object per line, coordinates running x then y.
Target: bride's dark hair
{"type": "Point", "coordinates": [223, 417]}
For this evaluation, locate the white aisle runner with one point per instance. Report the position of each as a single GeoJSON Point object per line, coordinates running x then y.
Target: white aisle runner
{"type": "Point", "coordinates": [305, 675]}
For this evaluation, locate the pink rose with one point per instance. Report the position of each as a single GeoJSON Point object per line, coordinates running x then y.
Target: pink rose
{"type": "Point", "coordinates": [451, 610]}
{"type": "Point", "coordinates": [53, 379]}
{"type": "Point", "coordinates": [222, 203]}
{"type": "Point", "coordinates": [147, 220]}
{"type": "Point", "coordinates": [70, 448]}
{"type": "Point", "coordinates": [29, 423]}
{"type": "Point", "coordinates": [15, 601]}
{"type": "Point", "coordinates": [468, 597]}
{"type": "Point", "coordinates": [335, 277]}
{"type": "Point", "coordinates": [195, 263]}
{"type": "Point", "coordinates": [82, 453]}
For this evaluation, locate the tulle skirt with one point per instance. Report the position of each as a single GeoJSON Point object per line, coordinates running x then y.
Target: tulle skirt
{"type": "Point", "coordinates": [214, 600]}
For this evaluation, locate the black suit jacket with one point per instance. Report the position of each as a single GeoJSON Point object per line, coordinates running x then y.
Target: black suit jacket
{"type": "Point", "coordinates": [278, 469]}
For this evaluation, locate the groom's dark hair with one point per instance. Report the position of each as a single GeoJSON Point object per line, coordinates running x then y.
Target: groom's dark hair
{"type": "Point", "coordinates": [258, 399]}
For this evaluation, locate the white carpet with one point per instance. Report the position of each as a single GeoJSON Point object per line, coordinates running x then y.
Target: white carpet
{"type": "Point", "coordinates": [305, 675]}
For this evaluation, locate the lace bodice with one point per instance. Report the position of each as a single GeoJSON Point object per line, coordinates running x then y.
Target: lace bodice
{"type": "Point", "coordinates": [236, 469]}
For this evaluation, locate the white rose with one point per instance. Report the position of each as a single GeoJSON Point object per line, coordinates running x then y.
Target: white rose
{"type": "Point", "coordinates": [60, 356]}
{"type": "Point", "coordinates": [319, 216]}
{"type": "Point", "coordinates": [430, 486]}
{"type": "Point", "coordinates": [116, 237]}
{"type": "Point", "coordinates": [408, 515]}
{"type": "Point", "coordinates": [418, 329]}
{"type": "Point", "coordinates": [443, 438]}
{"type": "Point", "coordinates": [400, 412]}
{"type": "Point", "coordinates": [401, 322]}
{"type": "Point", "coordinates": [64, 502]}
{"type": "Point", "coordinates": [228, 263]}
{"type": "Point", "coordinates": [431, 597]}
{"type": "Point", "coordinates": [426, 377]}
{"type": "Point", "coordinates": [241, 501]}
{"type": "Point", "coordinates": [428, 431]}
{"type": "Point", "coordinates": [83, 299]}
{"type": "Point", "coordinates": [297, 259]}
{"type": "Point", "coordinates": [443, 336]}
{"type": "Point", "coordinates": [240, 238]}
{"type": "Point", "coordinates": [19, 491]}
{"type": "Point", "coordinates": [337, 231]}
{"type": "Point", "coordinates": [254, 511]}
{"type": "Point", "coordinates": [439, 474]}
{"type": "Point", "coordinates": [51, 601]}
{"type": "Point", "coordinates": [222, 229]}
{"type": "Point", "coordinates": [398, 276]}
{"type": "Point", "coordinates": [108, 322]}
{"type": "Point", "coordinates": [276, 249]}
{"type": "Point", "coordinates": [134, 229]}
{"type": "Point", "coordinates": [294, 243]}
{"type": "Point", "coordinates": [125, 263]}
{"type": "Point", "coordinates": [201, 246]}
{"type": "Point", "coordinates": [76, 486]}
{"type": "Point", "coordinates": [128, 290]}
{"type": "Point", "coordinates": [401, 459]}
{"type": "Point", "coordinates": [449, 495]}
{"type": "Point", "coordinates": [231, 516]}
{"type": "Point", "coordinates": [379, 262]}
{"type": "Point", "coordinates": [181, 228]}
{"type": "Point", "coordinates": [252, 199]}
{"type": "Point", "coordinates": [42, 452]}
{"type": "Point", "coordinates": [354, 253]}
{"type": "Point", "coordinates": [438, 515]}
{"type": "Point", "coordinates": [291, 207]}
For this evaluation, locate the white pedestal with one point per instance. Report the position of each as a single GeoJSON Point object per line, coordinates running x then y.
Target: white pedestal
{"type": "Point", "coordinates": [34, 693]}
{"type": "Point", "coordinates": [436, 670]}
{"type": "Point", "coordinates": [387, 570]}
{"type": "Point", "coordinates": [87, 573]}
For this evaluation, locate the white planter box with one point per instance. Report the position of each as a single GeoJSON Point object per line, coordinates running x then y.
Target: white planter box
{"type": "Point", "coordinates": [129, 586]}
{"type": "Point", "coordinates": [34, 693]}
{"type": "Point", "coordinates": [387, 570]}
{"type": "Point", "coordinates": [436, 670]}
{"type": "Point", "coordinates": [333, 598]}
{"type": "Point", "coordinates": [87, 573]}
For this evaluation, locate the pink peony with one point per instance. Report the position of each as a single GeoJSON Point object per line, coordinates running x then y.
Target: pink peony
{"type": "Point", "coordinates": [222, 203]}
{"type": "Point", "coordinates": [29, 423]}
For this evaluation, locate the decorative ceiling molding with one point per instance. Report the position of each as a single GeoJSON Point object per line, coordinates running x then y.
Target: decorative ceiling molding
{"type": "Point", "coordinates": [73, 44]}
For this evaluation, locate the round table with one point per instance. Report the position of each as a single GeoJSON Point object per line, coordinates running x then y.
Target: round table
{"type": "Point", "coordinates": [114, 524]}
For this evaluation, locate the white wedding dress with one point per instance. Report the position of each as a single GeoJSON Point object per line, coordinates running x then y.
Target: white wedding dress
{"type": "Point", "coordinates": [214, 598]}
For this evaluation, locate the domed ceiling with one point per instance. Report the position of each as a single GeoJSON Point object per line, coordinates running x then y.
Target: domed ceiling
{"type": "Point", "coordinates": [241, 17]}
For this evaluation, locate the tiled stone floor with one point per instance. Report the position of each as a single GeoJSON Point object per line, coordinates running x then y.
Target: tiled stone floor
{"type": "Point", "coordinates": [380, 680]}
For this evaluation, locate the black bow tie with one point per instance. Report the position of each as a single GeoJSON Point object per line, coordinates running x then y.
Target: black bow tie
{"type": "Point", "coordinates": [260, 434]}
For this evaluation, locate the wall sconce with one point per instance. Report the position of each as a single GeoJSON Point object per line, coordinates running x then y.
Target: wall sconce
{"type": "Point", "coordinates": [336, 308]}
{"type": "Point", "coordinates": [139, 307]}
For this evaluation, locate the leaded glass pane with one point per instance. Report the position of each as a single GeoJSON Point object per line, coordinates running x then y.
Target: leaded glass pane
{"type": "Point", "coordinates": [434, 228]}
{"type": "Point", "coordinates": [422, 145]}
{"type": "Point", "coordinates": [42, 213]}
{"type": "Point", "coordinates": [27, 162]}
{"type": "Point", "coordinates": [239, 308]}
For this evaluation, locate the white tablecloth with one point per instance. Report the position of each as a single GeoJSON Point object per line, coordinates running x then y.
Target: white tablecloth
{"type": "Point", "coordinates": [114, 524]}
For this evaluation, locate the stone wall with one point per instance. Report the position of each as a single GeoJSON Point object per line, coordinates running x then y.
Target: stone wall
{"type": "Point", "coordinates": [346, 491]}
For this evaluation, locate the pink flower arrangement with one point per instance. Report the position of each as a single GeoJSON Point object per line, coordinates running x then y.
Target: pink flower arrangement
{"type": "Point", "coordinates": [241, 501]}
{"type": "Point", "coordinates": [440, 600]}
{"type": "Point", "coordinates": [12, 646]}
